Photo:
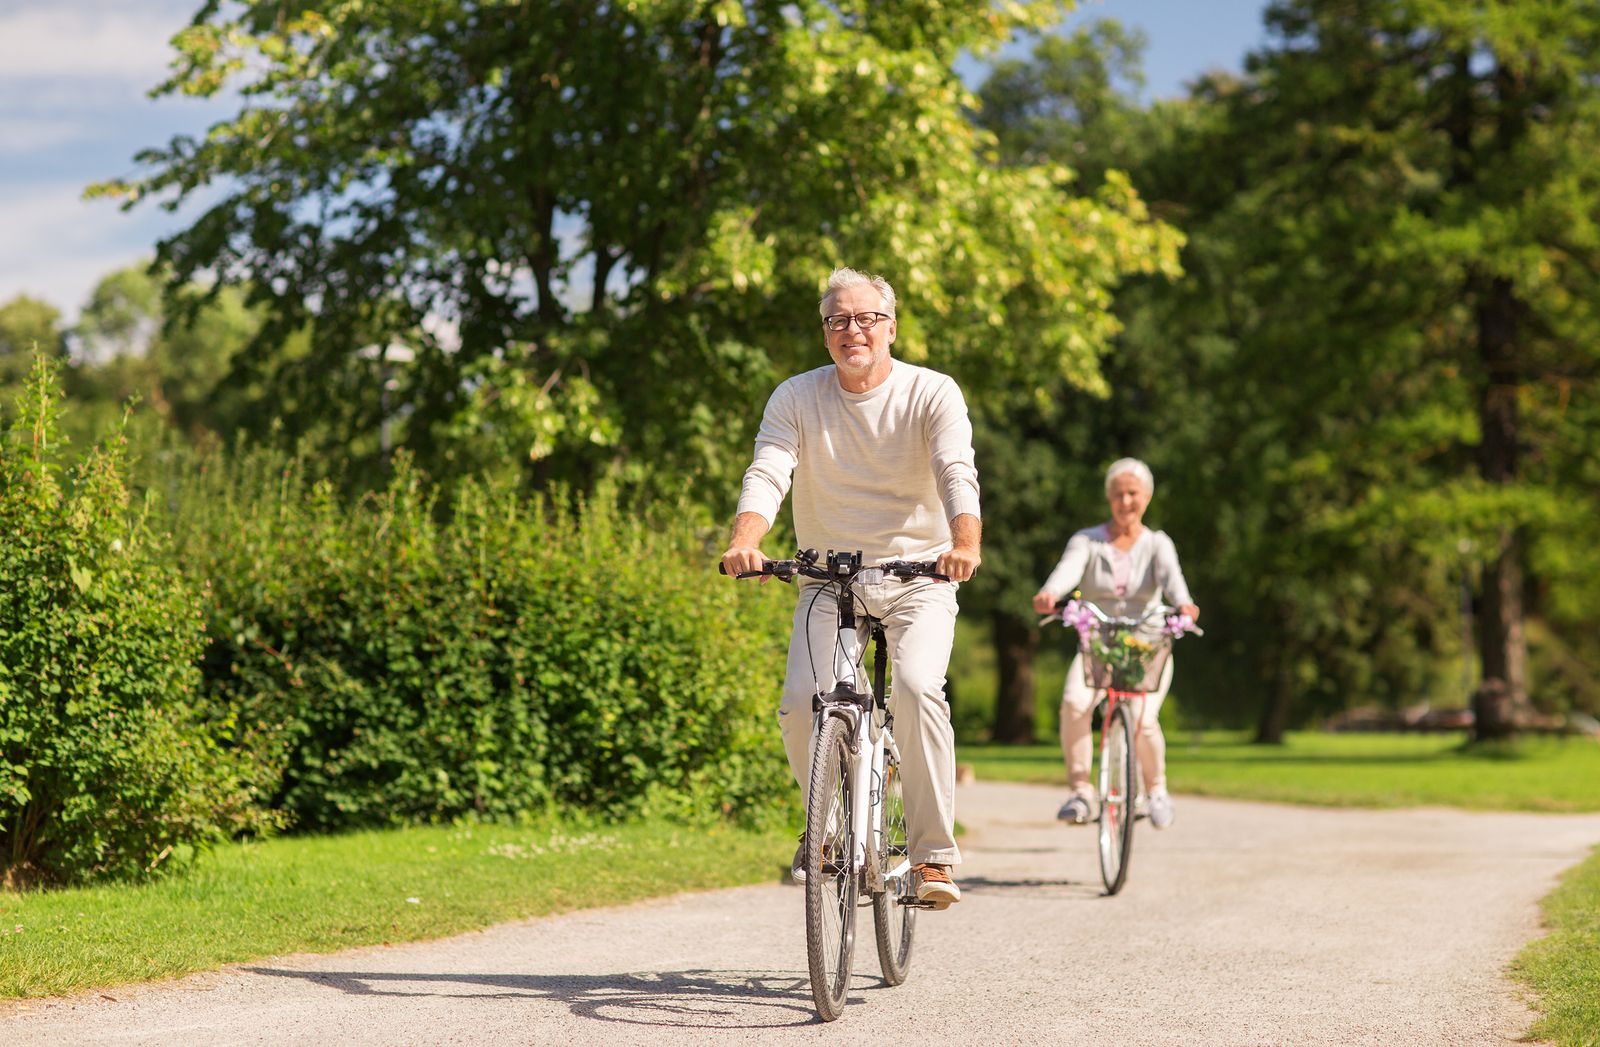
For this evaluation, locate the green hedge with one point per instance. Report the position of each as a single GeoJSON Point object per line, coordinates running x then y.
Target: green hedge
{"type": "Point", "coordinates": [104, 768]}
{"type": "Point", "coordinates": [423, 658]}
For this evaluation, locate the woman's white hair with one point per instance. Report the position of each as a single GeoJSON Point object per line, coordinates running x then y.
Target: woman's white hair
{"type": "Point", "coordinates": [1134, 466]}
{"type": "Point", "coordinates": [842, 278]}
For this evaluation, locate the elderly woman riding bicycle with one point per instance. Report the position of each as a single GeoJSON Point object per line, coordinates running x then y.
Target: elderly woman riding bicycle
{"type": "Point", "coordinates": [1125, 568]}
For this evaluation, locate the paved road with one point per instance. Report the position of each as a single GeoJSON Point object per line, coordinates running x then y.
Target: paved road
{"type": "Point", "coordinates": [1244, 924]}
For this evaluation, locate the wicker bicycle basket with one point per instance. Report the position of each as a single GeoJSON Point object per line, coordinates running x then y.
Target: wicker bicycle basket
{"type": "Point", "coordinates": [1137, 670]}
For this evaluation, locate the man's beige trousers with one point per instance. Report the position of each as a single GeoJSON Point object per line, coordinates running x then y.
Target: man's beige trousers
{"type": "Point", "coordinates": [919, 622]}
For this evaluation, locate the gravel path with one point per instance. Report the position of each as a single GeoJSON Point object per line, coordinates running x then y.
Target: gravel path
{"type": "Point", "coordinates": [1244, 924]}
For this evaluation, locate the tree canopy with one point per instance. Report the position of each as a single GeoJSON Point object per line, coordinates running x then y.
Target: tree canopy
{"type": "Point", "coordinates": [603, 227]}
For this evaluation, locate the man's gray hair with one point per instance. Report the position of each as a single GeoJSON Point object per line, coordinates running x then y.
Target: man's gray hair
{"type": "Point", "coordinates": [842, 278]}
{"type": "Point", "coordinates": [1134, 466]}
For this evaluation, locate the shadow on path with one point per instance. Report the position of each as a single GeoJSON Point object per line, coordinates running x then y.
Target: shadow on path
{"type": "Point", "coordinates": [681, 999]}
{"type": "Point", "coordinates": [1081, 890]}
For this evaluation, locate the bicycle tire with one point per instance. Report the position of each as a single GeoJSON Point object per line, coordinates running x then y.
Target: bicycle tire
{"type": "Point", "coordinates": [1119, 776]}
{"type": "Point", "coordinates": [830, 870]}
{"type": "Point", "coordinates": [894, 921]}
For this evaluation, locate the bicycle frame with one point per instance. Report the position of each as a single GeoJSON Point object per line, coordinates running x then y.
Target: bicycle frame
{"type": "Point", "coordinates": [868, 740]}
{"type": "Point", "coordinates": [1136, 700]}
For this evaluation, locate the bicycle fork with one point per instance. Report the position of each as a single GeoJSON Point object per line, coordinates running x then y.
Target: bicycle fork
{"type": "Point", "coordinates": [1133, 703]}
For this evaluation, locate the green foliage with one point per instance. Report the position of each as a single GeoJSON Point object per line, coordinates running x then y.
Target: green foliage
{"type": "Point", "coordinates": [423, 657]}
{"type": "Point", "coordinates": [27, 325]}
{"type": "Point", "coordinates": [1070, 102]}
{"type": "Point", "coordinates": [1378, 370]}
{"type": "Point", "coordinates": [104, 768]}
{"type": "Point", "coordinates": [639, 199]}
{"type": "Point", "coordinates": [173, 346]}
{"type": "Point", "coordinates": [1404, 222]}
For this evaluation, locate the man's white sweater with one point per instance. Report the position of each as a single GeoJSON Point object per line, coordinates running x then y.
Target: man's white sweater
{"type": "Point", "coordinates": [883, 471]}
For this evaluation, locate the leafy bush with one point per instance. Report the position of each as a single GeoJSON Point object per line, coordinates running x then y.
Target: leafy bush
{"type": "Point", "coordinates": [104, 767]}
{"type": "Point", "coordinates": [427, 658]}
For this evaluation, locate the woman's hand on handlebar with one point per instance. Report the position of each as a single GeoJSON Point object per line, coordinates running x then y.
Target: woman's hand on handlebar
{"type": "Point", "coordinates": [1191, 610]}
{"type": "Point", "coordinates": [1043, 602]}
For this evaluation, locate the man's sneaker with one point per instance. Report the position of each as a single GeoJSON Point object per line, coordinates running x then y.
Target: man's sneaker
{"type": "Point", "coordinates": [934, 885]}
{"type": "Point", "coordinates": [1075, 811]}
{"type": "Point", "coordinates": [1160, 811]}
{"type": "Point", "coordinates": [797, 868]}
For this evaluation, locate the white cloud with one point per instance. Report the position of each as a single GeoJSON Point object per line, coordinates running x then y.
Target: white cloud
{"type": "Point", "coordinates": [56, 245]}
{"type": "Point", "coordinates": [73, 79]}
{"type": "Point", "coordinates": [29, 134]}
{"type": "Point", "coordinates": [94, 40]}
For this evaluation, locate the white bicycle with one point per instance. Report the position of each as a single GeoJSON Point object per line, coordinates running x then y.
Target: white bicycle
{"type": "Point", "coordinates": [856, 851]}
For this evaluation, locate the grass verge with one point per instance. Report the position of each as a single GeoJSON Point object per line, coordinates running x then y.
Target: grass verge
{"type": "Point", "coordinates": [1563, 968]}
{"type": "Point", "coordinates": [320, 894]}
{"type": "Point", "coordinates": [1348, 770]}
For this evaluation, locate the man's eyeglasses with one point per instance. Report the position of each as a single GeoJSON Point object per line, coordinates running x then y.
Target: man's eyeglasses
{"type": "Point", "coordinates": [865, 321]}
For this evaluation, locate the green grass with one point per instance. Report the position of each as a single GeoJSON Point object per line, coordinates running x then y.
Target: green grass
{"type": "Point", "coordinates": [1563, 968]}
{"type": "Point", "coordinates": [319, 894]}
{"type": "Point", "coordinates": [1344, 770]}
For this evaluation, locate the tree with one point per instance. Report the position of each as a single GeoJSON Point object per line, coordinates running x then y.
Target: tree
{"type": "Point", "coordinates": [27, 323]}
{"type": "Point", "coordinates": [1073, 100]}
{"type": "Point", "coordinates": [1456, 138]}
{"type": "Point", "coordinates": [621, 213]}
{"type": "Point", "coordinates": [138, 337]}
{"type": "Point", "coordinates": [1392, 260]}
{"type": "Point", "coordinates": [1043, 452]}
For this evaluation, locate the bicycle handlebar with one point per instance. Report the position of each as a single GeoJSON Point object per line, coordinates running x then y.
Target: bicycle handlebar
{"type": "Point", "coordinates": [840, 567]}
{"type": "Point", "coordinates": [1123, 622]}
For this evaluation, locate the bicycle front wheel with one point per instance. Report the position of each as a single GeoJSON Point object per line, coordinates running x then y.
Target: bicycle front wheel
{"type": "Point", "coordinates": [1119, 774]}
{"type": "Point", "coordinates": [894, 921]}
{"type": "Point", "coordinates": [830, 870]}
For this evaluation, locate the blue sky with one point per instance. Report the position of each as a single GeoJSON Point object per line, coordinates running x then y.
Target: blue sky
{"type": "Point", "coordinates": [74, 77]}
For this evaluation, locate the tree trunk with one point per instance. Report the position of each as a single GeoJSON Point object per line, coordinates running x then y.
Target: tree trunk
{"type": "Point", "coordinates": [1275, 714]}
{"type": "Point", "coordinates": [1502, 646]}
{"type": "Point", "coordinates": [1491, 712]}
{"type": "Point", "coordinates": [1015, 642]}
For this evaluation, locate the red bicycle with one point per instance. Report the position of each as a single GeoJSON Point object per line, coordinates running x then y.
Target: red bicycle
{"type": "Point", "coordinates": [1124, 657]}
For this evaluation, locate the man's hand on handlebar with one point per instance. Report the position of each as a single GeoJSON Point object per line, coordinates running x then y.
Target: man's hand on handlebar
{"type": "Point", "coordinates": [741, 559]}
{"type": "Point", "coordinates": [959, 563]}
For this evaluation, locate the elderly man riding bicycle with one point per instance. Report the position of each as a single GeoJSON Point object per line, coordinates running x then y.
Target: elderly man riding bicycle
{"type": "Point", "coordinates": [879, 453]}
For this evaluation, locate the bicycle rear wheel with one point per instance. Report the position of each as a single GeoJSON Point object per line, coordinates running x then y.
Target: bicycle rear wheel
{"type": "Point", "coordinates": [894, 921]}
{"type": "Point", "coordinates": [1119, 775]}
{"type": "Point", "coordinates": [830, 870]}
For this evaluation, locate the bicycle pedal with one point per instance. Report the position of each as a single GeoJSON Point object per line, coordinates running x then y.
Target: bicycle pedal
{"type": "Point", "coordinates": [915, 903]}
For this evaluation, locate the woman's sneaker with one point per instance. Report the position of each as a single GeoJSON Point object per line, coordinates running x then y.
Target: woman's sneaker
{"type": "Point", "coordinates": [797, 867]}
{"type": "Point", "coordinates": [1160, 811]}
{"type": "Point", "coordinates": [1075, 811]}
{"type": "Point", "coordinates": [935, 886]}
